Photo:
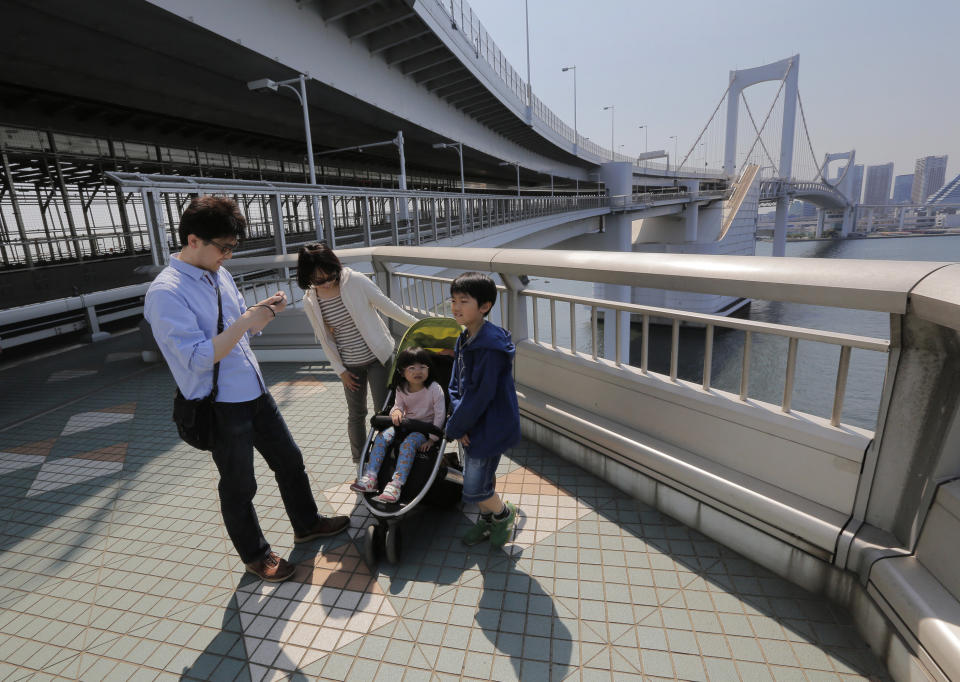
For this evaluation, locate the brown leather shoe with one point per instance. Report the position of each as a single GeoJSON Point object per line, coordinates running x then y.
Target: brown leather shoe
{"type": "Point", "coordinates": [272, 568]}
{"type": "Point", "coordinates": [324, 527]}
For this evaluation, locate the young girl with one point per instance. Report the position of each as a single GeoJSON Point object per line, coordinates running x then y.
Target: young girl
{"type": "Point", "coordinates": [418, 397]}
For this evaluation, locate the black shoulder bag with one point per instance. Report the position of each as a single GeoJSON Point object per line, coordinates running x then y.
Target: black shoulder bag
{"type": "Point", "coordinates": [194, 418]}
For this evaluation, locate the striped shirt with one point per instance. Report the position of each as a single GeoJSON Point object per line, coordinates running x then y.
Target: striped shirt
{"type": "Point", "coordinates": [354, 352]}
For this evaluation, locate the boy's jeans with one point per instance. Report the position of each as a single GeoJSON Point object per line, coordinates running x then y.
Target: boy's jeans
{"type": "Point", "coordinates": [479, 478]}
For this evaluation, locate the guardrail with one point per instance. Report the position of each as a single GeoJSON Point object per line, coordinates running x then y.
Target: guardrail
{"type": "Point", "coordinates": [812, 498]}
{"type": "Point", "coordinates": [86, 312]}
{"type": "Point", "coordinates": [349, 216]}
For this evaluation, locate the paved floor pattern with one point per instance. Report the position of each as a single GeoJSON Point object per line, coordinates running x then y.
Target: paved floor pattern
{"type": "Point", "coordinates": [115, 563]}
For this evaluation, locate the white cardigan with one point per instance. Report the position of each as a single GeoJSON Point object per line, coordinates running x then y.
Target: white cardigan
{"type": "Point", "coordinates": [362, 299]}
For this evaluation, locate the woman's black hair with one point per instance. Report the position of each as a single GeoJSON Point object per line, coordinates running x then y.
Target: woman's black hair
{"type": "Point", "coordinates": [413, 356]}
{"type": "Point", "coordinates": [313, 257]}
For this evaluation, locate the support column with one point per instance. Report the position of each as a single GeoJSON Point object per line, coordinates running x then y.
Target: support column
{"type": "Point", "coordinates": [618, 178]}
{"type": "Point", "coordinates": [279, 237]}
{"type": "Point", "coordinates": [66, 202]}
{"type": "Point", "coordinates": [21, 228]}
{"type": "Point", "coordinates": [691, 213]}
{"type": "Point", "coordinates": [156, 230]}
{"type": "Point", "coordinates": [780, 226]}
{"type": "Point", "coordinates": [821, 214]}
{"type": "Point", "coordinates": [847, 225]}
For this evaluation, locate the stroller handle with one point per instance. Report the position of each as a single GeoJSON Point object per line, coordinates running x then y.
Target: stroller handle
{"type": "Point", "coordinates": [384, 421]}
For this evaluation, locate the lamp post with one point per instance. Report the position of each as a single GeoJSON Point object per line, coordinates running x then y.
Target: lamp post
{"type": "Point", "coordinates": [612, 148]}
{"type": "Point", "coordinates": [458, 146]}
{"type": "Point", "coordinates": [526, 11]}
{"type": "Point", "coordinates": [675, 160]}
{"type": "Point", "coordinates": [644, 128]}
{"type": "Point", "coordinates": [517, 165]}
{"type": "Point", "coordinates": [263, 84]}
{"type": "Point", "coordinates": [576, 136]}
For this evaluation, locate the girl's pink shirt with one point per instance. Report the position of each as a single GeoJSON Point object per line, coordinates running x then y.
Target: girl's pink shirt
{"type": "Point", "coordinates": [427, 405]}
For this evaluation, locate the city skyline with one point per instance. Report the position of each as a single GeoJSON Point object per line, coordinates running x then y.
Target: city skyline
{"type": "Point", "coordinates": [682, 56]}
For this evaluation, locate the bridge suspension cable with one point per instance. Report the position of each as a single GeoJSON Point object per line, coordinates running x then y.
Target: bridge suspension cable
{"type": "Point", "coordinates": [806, 133]}
{"type": "Point", "coordinates": [757, 131]}
{"type": "Point", "coordinates": [707, 125]}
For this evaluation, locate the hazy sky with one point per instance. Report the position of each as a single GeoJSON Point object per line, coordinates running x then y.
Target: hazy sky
{"type": "Point", "coordinates": [876, 76]}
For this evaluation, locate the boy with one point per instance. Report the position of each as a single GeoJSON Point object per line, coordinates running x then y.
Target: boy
{"type": "Point", "coordinates": [485, 418]}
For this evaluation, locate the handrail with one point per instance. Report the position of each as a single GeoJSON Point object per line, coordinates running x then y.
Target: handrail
{"type": "Point", "coordinates": [789, 331]}
{"type": "Point", "coordinates": [872, 285]}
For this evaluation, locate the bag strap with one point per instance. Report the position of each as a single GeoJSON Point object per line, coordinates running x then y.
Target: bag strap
{"type": "Point", "coordinates": [216, 365]}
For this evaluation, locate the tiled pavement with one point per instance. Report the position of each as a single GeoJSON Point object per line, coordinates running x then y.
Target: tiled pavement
{"type": "Point", "coordinates": [115, 564]}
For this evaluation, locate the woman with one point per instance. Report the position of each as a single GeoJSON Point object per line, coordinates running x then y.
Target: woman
{"type": "Point", "coordinates": [342, 306]}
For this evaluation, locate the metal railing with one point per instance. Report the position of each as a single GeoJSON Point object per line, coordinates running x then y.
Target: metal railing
{"type": "Point", "coordinates": [593, 306]}
{"type": "Point", "coordinates": [350, 216]}
{"type": "Point", "coordinates": [424, 295]}
{"type": "Point", "coordinates": [86, 312]}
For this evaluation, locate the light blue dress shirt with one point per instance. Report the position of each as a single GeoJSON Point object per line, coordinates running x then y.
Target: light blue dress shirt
{"type": "Point", "coordinates": [181, 307]}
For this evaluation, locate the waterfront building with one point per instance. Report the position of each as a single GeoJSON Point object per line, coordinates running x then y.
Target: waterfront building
{"type": "Point", "coordinates": [857, 183]}
{"type": "Point", "coordinates": [928, 177]}
{"type": "Point", "coordinates": [902, 186]}
{"type": "Point", "coordinates": [879, 181]}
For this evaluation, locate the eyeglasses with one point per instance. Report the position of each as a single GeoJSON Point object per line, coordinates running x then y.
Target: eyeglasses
{"type": "Point", "coordinates": [225, 249]}
{"type": "Point", "coordinates": [319, 282]}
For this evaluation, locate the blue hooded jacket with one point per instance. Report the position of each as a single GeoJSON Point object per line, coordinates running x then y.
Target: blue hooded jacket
{"type": "Point", "coordinates": [482, 393]}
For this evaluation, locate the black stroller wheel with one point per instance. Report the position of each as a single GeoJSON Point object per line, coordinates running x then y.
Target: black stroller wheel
{"type": "Point", "coordinates": [372, 544]}
{"type": "Point", "coordinates": [393, 544]}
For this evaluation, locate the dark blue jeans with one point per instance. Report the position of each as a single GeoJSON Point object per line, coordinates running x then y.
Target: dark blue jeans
{"type": "Point", "coordinates": [240, 428]}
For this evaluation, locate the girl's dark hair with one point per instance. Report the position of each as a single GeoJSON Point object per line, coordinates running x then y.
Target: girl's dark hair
{"type": "Point", "coordinates": [313, 257]}
{"type": "Point", "coordinates": [478, 286]}
{"type": "Point", "coordinates": [211, 217]}
{"type": "Point", "coordinates": [413, 356]}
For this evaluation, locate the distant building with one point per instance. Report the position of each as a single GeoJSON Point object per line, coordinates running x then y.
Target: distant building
{"type": "Point", "coordinates": [948, 194]}
{"type": "Point", "coordinates": [902, 186]}
{"type": "Point", "coordinates": [879, 181]}
{"type": "Point", "coordinates": [928, 177]}
{"type": "Point", "coordinates": [857, 183]}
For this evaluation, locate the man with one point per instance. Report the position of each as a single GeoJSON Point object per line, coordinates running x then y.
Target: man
{"type": "Point", "coordinates": [181, 307]}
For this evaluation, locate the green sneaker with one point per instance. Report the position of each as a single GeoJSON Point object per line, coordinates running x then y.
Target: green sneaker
{"type": "Point", "coordinates": [479, 532]}
{"type": "Point", "coordinates": [500, 531]}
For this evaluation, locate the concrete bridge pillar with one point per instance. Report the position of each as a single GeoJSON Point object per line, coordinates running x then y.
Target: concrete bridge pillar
{"type": "Point", "coordinates": [691, 213]}
{"type": "Point", "coordinates": [617, 236]}
{"type": "Point", "coordinates": [848, 223]}
{"type": "Point", "coordinates": [821, 214]}
{"type": "Point", "coordinates": [780, 226]}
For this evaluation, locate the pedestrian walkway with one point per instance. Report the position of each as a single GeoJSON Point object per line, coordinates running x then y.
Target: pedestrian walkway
{"type": "Point", "coordinates": [115, 563]}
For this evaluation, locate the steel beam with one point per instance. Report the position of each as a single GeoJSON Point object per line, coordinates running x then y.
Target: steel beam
{"type": "Point", "coordinates": [412, 49]}
{"type": "Point", "coordinates": [362, 26]}
{"type": "Point", "coordinates": [332, 10]}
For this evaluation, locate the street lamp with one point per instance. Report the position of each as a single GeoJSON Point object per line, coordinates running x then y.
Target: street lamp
{"type": "Point", "coordinates": [612, 148]}
{"type": "Point", "coordinates": [459, 147]}
{"type": "Point", "coordinates": [644, 128]}
{"type": "Point", "coordinates": [264, 84]}
{"type": "Point", "coordinates": [526, 11]}
{"type": "Point", "coordinates": [576, 136]}
{"type": "Point", "coordinates": [676, 160]}
{"type": "Point", "coordinates": [517, 164]}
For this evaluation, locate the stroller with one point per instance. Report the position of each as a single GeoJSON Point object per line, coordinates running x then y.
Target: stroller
{"type": "Point", "coordinates": [436, 477]}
